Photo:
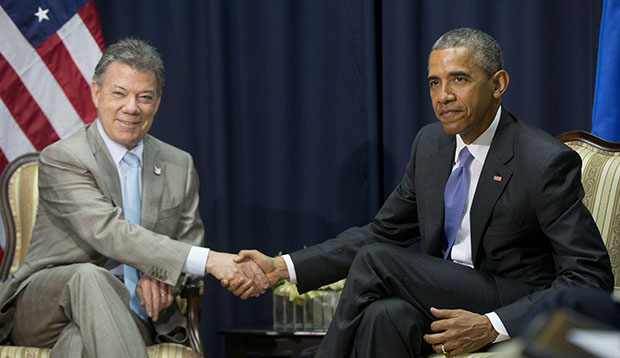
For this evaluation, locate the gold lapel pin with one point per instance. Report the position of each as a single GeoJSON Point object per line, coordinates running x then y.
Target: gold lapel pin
{"type": "Point", "coordinates": [157, 170]}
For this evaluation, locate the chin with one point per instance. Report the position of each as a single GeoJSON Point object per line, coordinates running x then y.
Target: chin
{"type": "Point", "coordinates": [450, 129]}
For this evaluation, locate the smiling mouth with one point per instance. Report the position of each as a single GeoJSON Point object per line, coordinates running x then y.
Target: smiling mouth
{"type": "Point", "coordinates": [127, 123]}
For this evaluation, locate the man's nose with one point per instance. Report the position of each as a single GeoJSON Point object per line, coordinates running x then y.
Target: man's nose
{"type": "Point", "coordinates": [447, 93]}
{"type": "Point", "coordinates": [131, 106]}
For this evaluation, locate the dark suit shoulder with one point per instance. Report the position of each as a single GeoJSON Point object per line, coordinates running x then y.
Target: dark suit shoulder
{"type": "Point", "coordinates": [430, 133]}
{"type": "Point", "coordinates": [535, 145]}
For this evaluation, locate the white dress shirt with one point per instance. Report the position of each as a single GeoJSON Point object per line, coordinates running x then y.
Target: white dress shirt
{"type": "Point", "coordinates": [461, 251]}
{"type": "Point", "coordinates": [197, 257]}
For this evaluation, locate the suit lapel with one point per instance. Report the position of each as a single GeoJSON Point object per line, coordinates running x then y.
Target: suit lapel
{"type": "Point", "coordinates": [153, 176]}
{"type": "Point", "coordinates": [494, 177]}
{"type": "Point", "coordinates": [441, 168]}
{"type": "Point", "coordinates": [109, 183]}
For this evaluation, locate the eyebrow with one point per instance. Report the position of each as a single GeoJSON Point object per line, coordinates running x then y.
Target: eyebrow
{"type": "Point", "coordinates": [459, 73]}
{"type": "Point", "coordinates": [150, 91]}
{"type": "Point", "coordinates": [451, 74]}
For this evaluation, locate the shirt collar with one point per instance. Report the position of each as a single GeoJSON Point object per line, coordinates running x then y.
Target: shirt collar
{"type": "Point", "coordinates": [116, 150]}
{"type": "Point", "coordinates": [479, 147]}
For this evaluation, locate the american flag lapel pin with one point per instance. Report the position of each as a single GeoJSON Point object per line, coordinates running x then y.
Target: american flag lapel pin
{"type": "Point", "coordinates": [497, 178]}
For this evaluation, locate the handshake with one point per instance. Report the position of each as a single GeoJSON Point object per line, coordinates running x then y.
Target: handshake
{"type": "Point", "coordinates": [248, 274]}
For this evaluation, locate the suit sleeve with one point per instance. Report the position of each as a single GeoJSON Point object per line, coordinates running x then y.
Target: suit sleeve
{"type": "Point", "coordinates": [395, 223]}
{"type": "Point", "coordinates": [71, 195]}
{"type": "Point", "coordinates": [579, 255]}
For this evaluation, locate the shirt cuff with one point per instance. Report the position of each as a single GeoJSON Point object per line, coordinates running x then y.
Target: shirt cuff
{"type": "Point", "coordinates": [196, 261]}
{"type": "Point", "coordinates": [497, 324]}
{"type": "Point", "coordinates": [291, 269]}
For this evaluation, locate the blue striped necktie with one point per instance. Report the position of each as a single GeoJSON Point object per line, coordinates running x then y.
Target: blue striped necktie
{"type": "Point", "coordinates": [454, 198]}
{"type": "Point", "coordinates": [132, 208]}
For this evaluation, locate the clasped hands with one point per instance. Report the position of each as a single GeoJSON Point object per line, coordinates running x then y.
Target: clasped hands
{"type": "Point", "coordinates": [247, 274]}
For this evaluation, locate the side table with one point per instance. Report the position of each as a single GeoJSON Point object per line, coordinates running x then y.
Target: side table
{"type": "Point", "coordinates": [244, 343]}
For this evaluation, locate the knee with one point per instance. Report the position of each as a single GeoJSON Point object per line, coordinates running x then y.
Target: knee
{"type": "Point", "coordinates": [87, 277]}
{"type": "Point", "coordinates": [376, 251]}
{"type": "Point", "coordinates": [88, 272]}
{"type": "Point", "coordinates": [390, 308]}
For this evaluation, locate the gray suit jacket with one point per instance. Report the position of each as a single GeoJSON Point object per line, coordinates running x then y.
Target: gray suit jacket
{"type": "Point", "coordinates": [527, 228]}
{"type": "Point", "coordinates": [80, 216]}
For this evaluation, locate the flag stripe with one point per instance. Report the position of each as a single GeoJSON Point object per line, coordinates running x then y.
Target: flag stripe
{"type": "Point", "coordinates": [82, 47]}
{"type": "Point", "coordinates": [24, 108]}
{"type": "Point", "coordinates": [3, 163]}
{"type": "Point", "coordinates": [46, 65]}
{"type": "Point", "coordinates": [89, 16]}
{"type": "Point", "coordinates": [13, 141]}
{"type": "Point", "coordinates": [67, 74]}
{"type": "Point", "coordinates": [37, 79]}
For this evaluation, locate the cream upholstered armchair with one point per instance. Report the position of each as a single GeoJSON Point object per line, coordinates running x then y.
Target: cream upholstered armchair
{"type": "Point", "coordinates": [600, 175]}
{"type": "Point", "coordinates": [18, 203]}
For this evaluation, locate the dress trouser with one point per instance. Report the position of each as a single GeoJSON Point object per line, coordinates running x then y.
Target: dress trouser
{"type": "Point", "coordinates": [384, 310]}
{"type": "Point", "coordinates": [79, 310]}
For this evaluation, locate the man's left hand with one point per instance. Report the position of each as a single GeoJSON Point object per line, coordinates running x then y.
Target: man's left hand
{"type": "Point", "coordinates": [154, 295]}
{"type": "Point", "coordinates": [459, 331]}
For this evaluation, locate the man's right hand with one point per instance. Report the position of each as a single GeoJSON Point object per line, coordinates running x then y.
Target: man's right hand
{"type": "Point", "coordinates": [244, 279]}
{"type": "Point", "coordinates": [274, 267]}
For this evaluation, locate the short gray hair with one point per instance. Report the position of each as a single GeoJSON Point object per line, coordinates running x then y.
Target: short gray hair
{"type": "Point", "coordinates": [136, 53]}
{"type": "Point", "coordinates": [486, 51]}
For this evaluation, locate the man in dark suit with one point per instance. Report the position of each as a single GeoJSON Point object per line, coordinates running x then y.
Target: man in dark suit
{"type": "Point", "coordinates": [496, 206]}
{"type": "Point", "coordinates": [93, 224]}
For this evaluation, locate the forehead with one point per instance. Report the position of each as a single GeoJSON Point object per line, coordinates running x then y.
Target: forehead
{"type": "Point", "coordinates": [450, 60]}
{"type": "Point", "coordinates": [123, 75]}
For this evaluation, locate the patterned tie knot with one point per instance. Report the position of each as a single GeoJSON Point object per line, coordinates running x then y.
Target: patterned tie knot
{"type": "Point", "coordinates": [131, 159]}
{"type": "Point", "coordinates": [465, 157]}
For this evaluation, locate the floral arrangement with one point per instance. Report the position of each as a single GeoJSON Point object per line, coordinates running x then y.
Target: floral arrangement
{"type": "Point", "coordinates": [286, 289]}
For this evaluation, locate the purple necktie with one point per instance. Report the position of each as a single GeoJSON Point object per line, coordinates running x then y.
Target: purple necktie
{"type": "Point", "coordinates": [454, 197]}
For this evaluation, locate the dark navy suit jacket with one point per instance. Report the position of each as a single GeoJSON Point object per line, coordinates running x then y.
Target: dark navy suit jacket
{"type": "Point", "coordinates": [528, 224]}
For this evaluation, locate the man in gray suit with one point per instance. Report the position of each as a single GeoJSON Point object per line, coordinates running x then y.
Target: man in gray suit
{"type": "Point", "coordinates": [67, 294]}
{"type": "Point", "coordinates": [519, 232]}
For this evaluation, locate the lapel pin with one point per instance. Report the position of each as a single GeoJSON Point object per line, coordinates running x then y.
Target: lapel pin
{"type": "Point", "coordinates": [157, 170]}
{"type": "Point", "coordinates": [497, 178]}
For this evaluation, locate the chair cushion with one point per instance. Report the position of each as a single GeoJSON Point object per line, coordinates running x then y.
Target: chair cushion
{"type": "Point", "coordinates": [163, 350]}
{"type": "Point", "coordinates": [170, 350]}
{"type": "Point", "coordinates": [23, 352]}
{"type": "Point", "coordinates": [601, 182]}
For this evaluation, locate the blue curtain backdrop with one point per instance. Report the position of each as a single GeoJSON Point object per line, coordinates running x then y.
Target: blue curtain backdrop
{"type": "Point", "coordinates": [300, 114]}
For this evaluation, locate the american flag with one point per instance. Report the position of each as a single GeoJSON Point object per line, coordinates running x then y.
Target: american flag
{"type": "Point", "coordinates": [48, 53]}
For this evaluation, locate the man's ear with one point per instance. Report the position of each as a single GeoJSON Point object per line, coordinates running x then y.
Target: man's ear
{"type": "Point", "coordinates": [500, 83]}
{"type": "Point", "coordinates": [94, 93]}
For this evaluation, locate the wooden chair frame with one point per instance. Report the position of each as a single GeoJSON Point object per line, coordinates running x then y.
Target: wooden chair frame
{"type": "Point", "coordinates": [591, 139]}
{"type": "Point", "coordinates": [5, 210]}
